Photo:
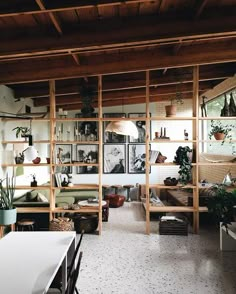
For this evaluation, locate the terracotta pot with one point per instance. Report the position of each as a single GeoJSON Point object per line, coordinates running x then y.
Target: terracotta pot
{"type": "Point", "coordinates": [170, 110]}
{"type": "Point", "coordinates": [36, 160]}
{"type": "Point", "coordinates": [219, 136]}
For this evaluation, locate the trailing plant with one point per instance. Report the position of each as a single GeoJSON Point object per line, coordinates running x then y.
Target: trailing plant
{"type": "Point", "coordinates": [7, 193]}
{"type": "Point", "coordinates": [183, 158]}
{"type": "Point", "coordinates": [221, 206]}
{"type": "Point", "coordinates": [23, 131]}
{"type": "Point", "coordinates": [218, 127]}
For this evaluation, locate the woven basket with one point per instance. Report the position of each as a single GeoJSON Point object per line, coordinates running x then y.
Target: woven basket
{"type": "Point", "coordinates": [61, 224]}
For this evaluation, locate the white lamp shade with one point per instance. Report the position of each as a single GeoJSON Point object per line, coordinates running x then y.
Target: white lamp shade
{"type": "Point", "coordinates": [123, 127]}
{"type": "Point", "coordinates": [30, 153]}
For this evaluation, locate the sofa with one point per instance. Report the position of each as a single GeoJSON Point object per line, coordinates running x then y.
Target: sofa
{"type": "Point", "coordinates": [39, 198]}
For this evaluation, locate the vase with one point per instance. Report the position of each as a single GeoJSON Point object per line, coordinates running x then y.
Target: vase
{"type": "Point", "coordinates": [219, 136]}
{"type": "Point", "coordinates": [7, 216]}
{"type": "Point", "coordinates": [170, 110]}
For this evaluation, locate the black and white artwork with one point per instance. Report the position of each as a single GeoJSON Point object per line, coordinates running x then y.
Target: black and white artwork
{"type": "Point", "coordinates": [114, 158]}
{"type": "Point", "coordinates": [64, 156]}
{"type": "Point", "coordinates": [110, 137]}
{"type": "Point", "coordinates": [87, 154]}
{"type": "Point", "coordinates": [136, 158]}
{"type": "Point", "coordinates": [86, 130]}
{"type": "Point", "coordinates": [141, 127]}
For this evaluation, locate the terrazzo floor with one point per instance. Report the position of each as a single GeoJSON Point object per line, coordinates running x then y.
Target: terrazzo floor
{"type": "Point", "coordinates": [124, 260]}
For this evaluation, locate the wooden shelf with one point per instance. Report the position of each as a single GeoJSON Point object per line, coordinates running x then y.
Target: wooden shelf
{"type": "Point", "coordinates": [33, 209]}
{"type": "Point", "coordinates": [25, 142]}
{"type": "Point", "coordinates": [167, 164]}
{"type": "Point", "coordinates": [32, 188]}
{"type": "Point", "coordinates": [162, 186]}
{"type": "Point", "coordinates": [79, 187]}
{"type": "Point", "coordinates": [76, 164]}
{"type": "Point", "coordinates": [216, 163]}
{"type": "Point", "coordinates": [171, 209]}
{"type": "Point", "coordinates": [173, 118]}
{"type": "Point", "coordinates": [172, 141]}
{"type": "Point", "coordinates": [80, 210]}
{"type": "Point", "coordinates": [76, 142]}
{"type": "Point", "coordinates": [218, 118]}
{"type": "Point", "coordinates": [24, 164]}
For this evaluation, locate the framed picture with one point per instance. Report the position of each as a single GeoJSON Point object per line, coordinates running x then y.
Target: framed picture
{"type": "Point", "coordinates": [113, 137]}
{"type": "Point", "coordinates": [114, 159]}
{"type": "Point", "coordinates": [87, 154]}
{"type": "Point", "coordinates": [141, 126]}
{"type": "Point", "coordinates": [63, 156]}
{"type": "Point", "coordinates": [86, 130]}
{"type": "Point", "coordinates": [136, 158]}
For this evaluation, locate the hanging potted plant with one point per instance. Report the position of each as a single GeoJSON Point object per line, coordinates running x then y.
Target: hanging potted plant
{"type": "Point", "coordinates": [172, 108]}
{"type": "Point", "coordinates": [220, 131]}
{"type": "Point", "coordinates": [7, 210]}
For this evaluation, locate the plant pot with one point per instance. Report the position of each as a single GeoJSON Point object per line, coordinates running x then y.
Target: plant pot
{"type": "Point", "coordinates": [219, 136]}
{"type": "Point", "coordinates": [7, 216]}
{"type": "Point", "coordinates": [170, 110]}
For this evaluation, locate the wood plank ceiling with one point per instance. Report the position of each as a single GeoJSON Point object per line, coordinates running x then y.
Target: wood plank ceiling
{"type": "Point", "coordinates": [74, 41]}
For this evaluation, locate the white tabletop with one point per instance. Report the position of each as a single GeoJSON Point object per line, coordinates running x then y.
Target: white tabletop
{"type": "Point", "coordinates": [30, 260]}
{"type": "Point", "coordinates": [86, 203]}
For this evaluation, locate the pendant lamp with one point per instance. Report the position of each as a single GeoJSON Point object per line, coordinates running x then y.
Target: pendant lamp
{"type": "Point", "coordinates": [123, 127]}
{"type": "Point", "coordinates": [30, 152]}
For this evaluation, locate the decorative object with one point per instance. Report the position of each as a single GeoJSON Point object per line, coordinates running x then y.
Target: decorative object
{"type": "Point", "coordinates": [220, 131]}
{"type": "Point", "coordinates": [170, 181]}
{"type": "Point", "coordinates": [85, 222]}
{"type": "Point", "coordinates": [48, 160]}
{"type": "Point", "coordinates": [183, 158]}
{"type": "Point", "coordinates": [203, 107]}
{"type": "Point", "coordinates": [22, 131]}
{"type": "Point", "coordinates": [34, 182]}
{"type": "Point", "coordinates": [112, 136]}
{"type": "Point", "coordinates": [87, 154]}
{"type": "Point", "coordinates": [185, 135]}
{"type": "Point", "coordinates": [140, 125]}
{"type": "Point", "coordinates": [7, 210]}
{"type": "Point", "coordinates": [37, 160]}
{"type": "Point", "coordinates": [170, 225]}
{"type": "Point", "coordinates": [137, 159]}
{"type": "Point", "coordinates": [221, 206]}
{"type": "Point", "coordinates": [114, 158]}
{"type": "Point", "coordinates": [19, 159]}
{"type": "Point", "coordinates": [64, 156]}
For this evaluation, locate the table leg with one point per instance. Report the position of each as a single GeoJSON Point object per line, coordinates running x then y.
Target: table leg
{"type": "Point", "coordinates": [64, 275]}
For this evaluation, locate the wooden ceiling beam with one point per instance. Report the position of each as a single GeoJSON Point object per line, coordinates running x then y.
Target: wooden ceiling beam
{"type": "Point", "coordinates": [58, 6]}
{"type": "Point", "coordinates": [200, 54]}
{"type": "Point", "coordinates": [109, 34]}
{"type": "Point", "coordinates": [169, 91]}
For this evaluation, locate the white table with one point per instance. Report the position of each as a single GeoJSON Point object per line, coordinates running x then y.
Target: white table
{"type": "Point", "coordinates": [29, 260]}
{"type": "Point", "coordinates": [90, 204]}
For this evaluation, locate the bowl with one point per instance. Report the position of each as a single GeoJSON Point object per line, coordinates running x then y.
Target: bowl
{"type": "Point", "coordinates": [171, 182]}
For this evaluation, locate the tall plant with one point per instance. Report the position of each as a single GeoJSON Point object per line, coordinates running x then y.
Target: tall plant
{"type": "Point", "coordinates": [7, 193]}
{"type": "Point", "coordinates": [183, 158]}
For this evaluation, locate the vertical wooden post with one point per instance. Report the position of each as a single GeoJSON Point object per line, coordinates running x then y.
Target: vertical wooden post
{"type": "Point", "coordinates": [196, 148]}
{"type": "Point", "coordinates": [100, 168]}
{"type": "Point", "coordinates": [147, 164]}
{"type": "Point", "coordinates": [52, 145]}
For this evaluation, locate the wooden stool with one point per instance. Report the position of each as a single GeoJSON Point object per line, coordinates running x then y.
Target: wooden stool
{"type": "Point", "coordinates": [128, 187]}
{"type": "Point", "coordinates": [25, 225]}
{"type": "Point", "coordinates": [117, 187]}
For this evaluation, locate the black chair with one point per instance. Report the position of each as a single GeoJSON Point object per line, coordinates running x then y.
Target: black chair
{"type": "Point", "coordinates": [57, 281]}
{"type": "Point", "coordinates": [73, 277]}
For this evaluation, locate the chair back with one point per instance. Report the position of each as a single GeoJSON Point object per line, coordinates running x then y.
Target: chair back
{"type": "Point", "coordinates": [72, 264]}
{"type": "Point", "coordinates": [73, 277]}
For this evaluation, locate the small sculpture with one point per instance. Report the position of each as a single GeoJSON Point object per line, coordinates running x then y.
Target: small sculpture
{"type": "Point", "coordinates": [34, 182]}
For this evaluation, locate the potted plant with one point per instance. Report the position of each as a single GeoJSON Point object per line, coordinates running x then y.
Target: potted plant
{"type": "Point", "coordinates": [220, 131]}
{"type": "Point", "coordinates": [22, 131]}
{"type": "Point", "coordinates": [172, 108]}
{"type": "Point", "coordinates": [7, 210]}
{"type": "Point", "coordinates": [184, 159]}
{"type": "Point", "coordinates": [221, 206]}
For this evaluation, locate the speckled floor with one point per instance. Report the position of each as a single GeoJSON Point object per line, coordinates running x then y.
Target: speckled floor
{"type": "Point", "coordinates": [123, 260]}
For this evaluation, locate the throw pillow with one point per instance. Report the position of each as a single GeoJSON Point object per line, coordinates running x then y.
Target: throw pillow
{"type": "Point", "coordinates": [41, 198]}
{"type": "Point", "coordinates": [31, 197]}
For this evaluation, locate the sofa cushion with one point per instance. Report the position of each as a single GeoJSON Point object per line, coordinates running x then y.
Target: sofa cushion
{"type": "Point", "coordinates": [42, 198]}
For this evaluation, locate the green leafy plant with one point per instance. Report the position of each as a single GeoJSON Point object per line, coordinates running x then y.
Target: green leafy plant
{"type": "Point", "coordinates": [23, 131]}
{"type": "Point", "coordinates": [221, 206]}
{"type": "Point", "coordinates": [7, 193]}
{"type": "Point", "coordinates": [183, 158]}
{"type": "Point", "coordinates": [218, 127]}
